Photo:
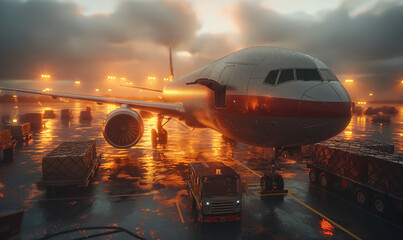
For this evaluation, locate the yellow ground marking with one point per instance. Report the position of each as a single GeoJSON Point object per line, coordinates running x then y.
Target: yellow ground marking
{"type": "Point", "coordinates": [323, 216]}
{"type": "Point", "coordinates": [243, 165]}
{"type": "Point", "coordinates": [254, 184]}
{"type": "Point", "coordinates": [260, 194]}
{"type": "Point", "coordinates": [180, 212]}
{"type": "Point", "coordinates": [290, 192]}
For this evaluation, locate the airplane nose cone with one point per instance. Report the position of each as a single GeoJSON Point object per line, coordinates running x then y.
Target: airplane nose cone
{"type": "Point", "coordinates": [325, 111]}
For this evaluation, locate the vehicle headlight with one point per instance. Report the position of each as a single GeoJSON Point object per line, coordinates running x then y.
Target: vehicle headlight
{"type": "Point", "coordinates": [207, 205]}
{"type": "Point", "coordinates": [238, 203]}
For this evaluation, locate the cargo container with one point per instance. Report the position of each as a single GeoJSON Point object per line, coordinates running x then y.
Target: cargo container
{"type": "Point", "coordinates": [20, 132]}
{"type": "Point", "coordinates": [35, 119]}
{"type": "Point", "coordinates": [7, 145]}
{"type": "Point", "coordinates": [365, 168]}
{"type": "Point", "coordinates": [49, 114]}
{"type": "Point", "coordinates": [66, 114]}
{"type": "Point", "coordinates": [70, 164]}
{"type": "Point", "coordinates": [86, 115]}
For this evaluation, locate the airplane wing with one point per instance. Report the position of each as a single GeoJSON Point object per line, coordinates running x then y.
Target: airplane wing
{"type": "Point", "coordinates": [172, 109]}
{"type": "Point", "coordinates": [141, 88]}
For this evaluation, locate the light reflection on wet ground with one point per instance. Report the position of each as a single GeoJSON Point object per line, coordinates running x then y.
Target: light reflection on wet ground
{"type": "Point", "coordinates": [138, 188]}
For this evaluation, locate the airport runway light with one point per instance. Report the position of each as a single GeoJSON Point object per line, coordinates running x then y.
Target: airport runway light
{"type": "Point", "coordinates": [111, 77]}
{"type": "Point", "coordinates": [122, 79]}
{"type": "Point", "coordinates": [371, 94]}
{"type": "Point", "coordinates": [130, 83]}
{"type": "Point", "coordinates": [349, 80]}
{"type": "Point", "coordinates": [15, 120]}
{"type": "Point", "coordinates": [109, 90]}
{"type": "Point", "coordinates": [96, 89]}
{"type": "Point", "coordinates": [166, 79]}
{"type": "Point", "coordinates": [45, 76]}
{"type": "Point", "coordinates": [77, 82]}
{"type": "Point", "coordinates": [46, 90]}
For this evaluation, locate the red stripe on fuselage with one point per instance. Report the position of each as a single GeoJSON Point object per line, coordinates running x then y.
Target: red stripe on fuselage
{"type": "Point", "coordinates": [284, 107]}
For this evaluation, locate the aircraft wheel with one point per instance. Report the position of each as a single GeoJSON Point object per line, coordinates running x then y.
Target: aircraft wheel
{"type": "Point", "coordinates": [163, 136]}
{"type": "Point", "coordinates": [324, 180]}
{"type": "Point", "coordinates": [266, 183]}
{"type": "Point", "coordinates": [278, 183]}
{"type": "Point", "coordinates": [154, 137]}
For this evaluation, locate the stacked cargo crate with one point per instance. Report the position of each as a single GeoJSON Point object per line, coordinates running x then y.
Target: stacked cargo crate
{"type": "Point", "coordinates": [70, 162]}
{"type": "Point", "coordinates": [6, 144]}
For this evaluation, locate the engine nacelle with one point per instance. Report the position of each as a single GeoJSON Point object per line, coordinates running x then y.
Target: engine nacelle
{"type": "Point", "coordinates": [123, 128]}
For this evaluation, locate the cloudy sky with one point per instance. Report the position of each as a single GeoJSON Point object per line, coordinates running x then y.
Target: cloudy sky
{"type": "Point", "coordinates": [87, 40]}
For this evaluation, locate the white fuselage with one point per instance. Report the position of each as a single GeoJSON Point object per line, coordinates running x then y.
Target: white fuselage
{"type": "Point", "coordinates": [250, 110]}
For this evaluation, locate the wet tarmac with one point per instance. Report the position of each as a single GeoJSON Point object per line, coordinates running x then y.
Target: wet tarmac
{"type": "Point", "coordinates": [143, 188]}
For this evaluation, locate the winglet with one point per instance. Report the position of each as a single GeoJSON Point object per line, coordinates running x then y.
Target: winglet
{"type": "Point", "coordinates": [171, 67]}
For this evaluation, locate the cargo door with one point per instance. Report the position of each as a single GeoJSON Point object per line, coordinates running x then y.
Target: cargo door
{"type": "Point", "coordinates": [237, 88]}
{"type": "Point", "coordinates": [220, 95]}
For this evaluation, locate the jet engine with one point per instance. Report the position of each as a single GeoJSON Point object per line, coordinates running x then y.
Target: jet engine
{"type": "Point", "coordinates": [123, 128]}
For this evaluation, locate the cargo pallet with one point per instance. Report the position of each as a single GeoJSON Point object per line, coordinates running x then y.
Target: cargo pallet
{"type": "Point", "coordinates": [364, 168]}
{"type": "Point", "coordinates": [82, 182]}
{"type": "Point", "coordinates": [8, 150]}
{"type": "Point", "coordinates": [10, 223]}
{"type": "Point", "coordinates": [25, 137]}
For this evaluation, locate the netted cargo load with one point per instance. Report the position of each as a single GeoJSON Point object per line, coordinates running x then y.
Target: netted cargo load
{"type": "Point", "coordinates": [349, 164]}
{"type": "Point", "coordinates": [20, 130]}
{"type": "Point", "coordinates": [365, 161]}
{"type": "Point", "coordinates": [69, 161]}
{"type": "Point", "coordinates": [5, 136]}
{"type": "Point", "coordinates": [386, 174]}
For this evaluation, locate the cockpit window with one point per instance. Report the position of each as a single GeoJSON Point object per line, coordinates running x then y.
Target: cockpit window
{"type": "Point", "coordinates": [328, 75]}
{"type": "Point", "coordinates": [308, 75]}
{"type": "Point", "coordinates": [286, 75]}
{"type": "Point", "coordinates": [271, 78]}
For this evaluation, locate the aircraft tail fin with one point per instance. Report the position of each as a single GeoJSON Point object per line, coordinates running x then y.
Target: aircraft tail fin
{"type": "Point", "coordinates": [171, 67]}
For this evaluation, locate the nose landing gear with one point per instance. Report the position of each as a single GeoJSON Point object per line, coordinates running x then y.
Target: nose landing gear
{"type": "Point", "coordinates": [272, 182]}
{"type": "Point", "coordinates": [160, 136]}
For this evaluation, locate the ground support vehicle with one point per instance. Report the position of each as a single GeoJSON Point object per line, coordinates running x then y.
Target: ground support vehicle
{"type": "Point", "coordinates": [215, 191]}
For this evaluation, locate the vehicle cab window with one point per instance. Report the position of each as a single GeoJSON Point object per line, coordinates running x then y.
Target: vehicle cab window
{"type": "Point", "coordinates": [286, 75]}
{"type": "Point", "coordinates": [308, 75]}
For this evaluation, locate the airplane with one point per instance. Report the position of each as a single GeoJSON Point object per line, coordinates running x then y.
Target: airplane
{"type": "Point", "coordinates": [262, 96]}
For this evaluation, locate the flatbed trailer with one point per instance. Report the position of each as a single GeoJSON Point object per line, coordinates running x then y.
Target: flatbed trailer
{"type": "Point", "coordinates": [374, 177]}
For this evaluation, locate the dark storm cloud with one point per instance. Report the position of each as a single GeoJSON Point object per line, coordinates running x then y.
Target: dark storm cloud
{"type": "Point", "coordinates": [367, 43]}
{"type": "Point", "coordinates": [41, 35]}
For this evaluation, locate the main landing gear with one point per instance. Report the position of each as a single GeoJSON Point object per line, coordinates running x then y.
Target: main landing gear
{"type": "Point", "coordinates": [160, 136]}
{"type": "Point", "coordinates": [272, 182]}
